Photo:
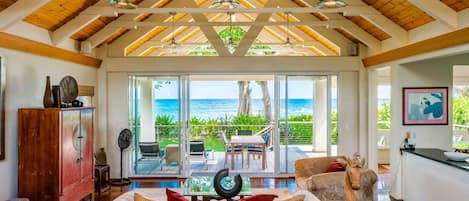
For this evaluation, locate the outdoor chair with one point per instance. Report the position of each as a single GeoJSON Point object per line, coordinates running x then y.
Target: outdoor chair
{"type": "Point", "coordinates": [197, 152]}
{"type": "Point", "coordinates": [258, 150]}
{"type": "Point", "coordinates": [151, 150]}
{"type": "Point", "coordinates": [232, 150]}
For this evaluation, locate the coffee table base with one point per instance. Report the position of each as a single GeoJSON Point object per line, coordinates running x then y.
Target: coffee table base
{"type": "Point", "coordinates": [208, 198]}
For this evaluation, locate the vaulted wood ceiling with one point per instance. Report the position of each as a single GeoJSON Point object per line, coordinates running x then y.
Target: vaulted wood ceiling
{"type": "Point", "coordinates": [381, 20]}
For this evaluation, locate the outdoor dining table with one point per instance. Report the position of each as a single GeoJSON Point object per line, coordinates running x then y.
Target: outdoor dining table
{"type": "Point", "coordinates": [254, 140]}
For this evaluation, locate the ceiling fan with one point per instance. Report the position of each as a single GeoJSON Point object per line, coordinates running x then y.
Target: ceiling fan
{"type": "Point", "coordinates": [125, 4]}
{"type": "Point", "coordinates": [324, 4]}
{"type": "Point", "coordinates": [225, 4]}
{"type": "Point", "coordinates": [172, 44]}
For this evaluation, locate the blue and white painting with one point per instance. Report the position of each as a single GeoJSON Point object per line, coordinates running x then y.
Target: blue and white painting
{"type": "Point", "coordinates": [425, 106]}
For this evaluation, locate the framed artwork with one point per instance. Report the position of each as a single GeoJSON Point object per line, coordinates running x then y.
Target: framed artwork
{"type": "Point", "coordinates": [2, 107]}
{"type": "Point", "coordinates": [425, 106]}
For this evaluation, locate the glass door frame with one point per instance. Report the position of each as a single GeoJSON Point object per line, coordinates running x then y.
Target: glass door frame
{"type": "Point", "coordinates": [183, 123]}
{"type": "Point", "coordinates": [277, 115]}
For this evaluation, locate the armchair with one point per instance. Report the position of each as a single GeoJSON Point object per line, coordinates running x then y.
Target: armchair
{"type": "Point", "coordinates": [310, 175]}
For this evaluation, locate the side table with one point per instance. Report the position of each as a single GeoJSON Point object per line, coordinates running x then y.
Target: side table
{"type": "Point", "coordinates": [102, 176]}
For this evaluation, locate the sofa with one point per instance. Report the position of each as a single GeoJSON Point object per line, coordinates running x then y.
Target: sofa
{"type": "Point", "coordinates": [310, 175]}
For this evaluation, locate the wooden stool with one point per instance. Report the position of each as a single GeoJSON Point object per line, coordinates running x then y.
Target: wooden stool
{"type": "Point", "coordinates": [102, 180]}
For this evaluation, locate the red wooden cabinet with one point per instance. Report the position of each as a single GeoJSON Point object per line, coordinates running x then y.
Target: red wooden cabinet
{"type": "Point", "coordinates": [55, 154]}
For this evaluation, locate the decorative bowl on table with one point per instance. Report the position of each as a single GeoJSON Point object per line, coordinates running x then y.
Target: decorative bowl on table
{"type": "Point", "coordinates": [456, 156]}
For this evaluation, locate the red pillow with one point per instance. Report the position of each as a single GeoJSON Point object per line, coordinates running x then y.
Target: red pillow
{"type": "Point", "coordinates": [260, 197]}
{"type": "Point", "coordinates": [335, 166]}
{"type": "Point", "coordinates": [174, 196]}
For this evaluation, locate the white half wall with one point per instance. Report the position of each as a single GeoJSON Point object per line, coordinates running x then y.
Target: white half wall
{"type": "Point", "coordinates": [25, 82]}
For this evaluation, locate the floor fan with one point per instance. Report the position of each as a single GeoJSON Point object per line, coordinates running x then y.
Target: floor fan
{"type": "Point", "coordinates": [124, 140]}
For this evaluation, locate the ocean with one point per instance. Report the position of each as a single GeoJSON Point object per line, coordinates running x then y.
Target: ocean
{"type": "Point", "coordinates": [221, 108]}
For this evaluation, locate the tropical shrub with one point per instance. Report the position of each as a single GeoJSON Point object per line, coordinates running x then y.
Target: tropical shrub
{"type": "Point", "coordinates": [254, 123]}
{"type": "Point", "coordinates": [166, 126]}
{"type": "Point", "coordinates": [461, 110]}
{"type": "Point", "coordinates": [197, 126]}
{"type": "Point", "coordinates": [384, 116]}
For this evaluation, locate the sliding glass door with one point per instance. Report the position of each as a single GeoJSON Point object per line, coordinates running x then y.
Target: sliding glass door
{"type": "Point", "coordinates": [157, 121]}
{"type": "Point", "coordinates": [304, 117]}
{"type": "Point", "coordinates": [161, 111]}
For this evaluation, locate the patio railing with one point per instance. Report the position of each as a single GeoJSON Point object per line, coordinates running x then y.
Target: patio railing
{"type": "Point", "coordinates": [300, 133]}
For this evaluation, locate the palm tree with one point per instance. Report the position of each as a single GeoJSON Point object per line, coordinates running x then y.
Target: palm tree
{"type": "Point", "coordinates": [266, 101]}
{"type": "Point", "coordinates": [245, 101]}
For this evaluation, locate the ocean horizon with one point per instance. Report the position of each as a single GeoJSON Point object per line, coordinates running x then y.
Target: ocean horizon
{"type": "Point", "coordinates": [221, 108]}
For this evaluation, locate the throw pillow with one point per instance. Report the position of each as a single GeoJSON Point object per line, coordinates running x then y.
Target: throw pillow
{"type": "Point", "coordinates": [335, 166]}
{"type": "Point", "coordinates": [260, 197]}
{"type": "Point", "coordinates": [174, 196]}
{"type": "Point", "coordinates": [138, 197]}
{"type": "Point", "coordinates": [295, 198]}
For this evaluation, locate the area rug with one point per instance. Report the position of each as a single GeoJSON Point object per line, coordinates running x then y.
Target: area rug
{"type": "Point", "coordinates": [159, 193]}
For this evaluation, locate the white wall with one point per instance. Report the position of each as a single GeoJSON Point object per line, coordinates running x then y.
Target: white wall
{"type": "Point", "coordinates": [348, 113]}
{"type": "Point", "coordinates": [26, 76]}
{"type": "Point", "coordinates": [118, 114]}
{"type": "Point", "coordinates": [430, 73]}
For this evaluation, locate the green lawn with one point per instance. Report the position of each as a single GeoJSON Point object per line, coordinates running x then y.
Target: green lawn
{"type": "Point", "coordinates": [212, 143]}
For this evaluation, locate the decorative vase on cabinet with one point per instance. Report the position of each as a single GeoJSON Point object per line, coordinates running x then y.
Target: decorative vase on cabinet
{"type": "Point", "coordinates": [48, 100]}
{"type": "Point", "coordinates": [55, 154]}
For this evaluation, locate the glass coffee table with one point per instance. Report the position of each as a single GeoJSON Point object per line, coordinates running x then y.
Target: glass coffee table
{"type": "Point", "coordinates": [202, 186]}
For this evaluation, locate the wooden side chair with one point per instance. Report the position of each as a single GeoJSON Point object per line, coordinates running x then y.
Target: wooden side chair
{"type": "Point", "coordinates": [258, 150]}
{"type": "Point", "coordinates": [232, 150]}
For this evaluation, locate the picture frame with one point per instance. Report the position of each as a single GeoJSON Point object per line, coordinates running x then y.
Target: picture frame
{"type": "Point", "coordinates": [425, 106]}
{"type": "Point", "coordinates": [2, 107]}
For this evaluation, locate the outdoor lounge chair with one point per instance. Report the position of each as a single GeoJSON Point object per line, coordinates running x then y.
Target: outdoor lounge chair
{"type": "Point", "coordinates": [197, 152]}
{"type": "Point", "coordinates": [151, 150]}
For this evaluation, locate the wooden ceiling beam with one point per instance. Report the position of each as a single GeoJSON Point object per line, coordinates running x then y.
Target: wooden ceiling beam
{"type": "Point", "coordinates": [74, 25]}
{"type": "Point", "coordinates": [322, 48]}
{"type": "Point", "coordinates": [33, 47]}
{"type": "Point", "coordinates": [132, 24]}
{"type": "Point", "coordinates": [110, 11]}
{"type": "Point", "coordinates": [112, 28]}
{"type": "Point", "coordinates": [438, 10]}
{"type": "Point", "coordinates": [117, 48]}
{"type": "Point", "coordinates": [381, 21]}
{"type": "Point", "coordinates": [277, 33]}
{"type": "Point", "coordinates": [253, 31]}
{"type": "Point", "coordinates": [209, 32]}
{"type": "Point", "coordinates": [330, 35]}
{"type": "Point", "coordinates": [167, 32]}
{"type": "Point", "coordinates": [18, 11]}
{"type": "Point", "coordinates": [351, 28]}
{"type": "Point", "coordinates": [455, 38]}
